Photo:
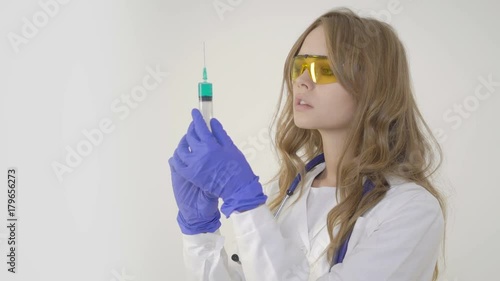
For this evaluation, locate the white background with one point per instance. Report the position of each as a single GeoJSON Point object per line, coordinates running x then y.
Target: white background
{"type": "Point", "coordinates": [114, 214]}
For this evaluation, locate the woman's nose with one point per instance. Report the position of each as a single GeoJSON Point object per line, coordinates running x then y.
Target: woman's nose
{"type": "Point", "coordinates": [304, 80]}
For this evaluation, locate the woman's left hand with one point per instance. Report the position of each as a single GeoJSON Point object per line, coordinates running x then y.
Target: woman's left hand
{"type": "Point", "coordinates": [211, 161]}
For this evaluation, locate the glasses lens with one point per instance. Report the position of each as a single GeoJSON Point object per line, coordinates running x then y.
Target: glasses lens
{"type": "Point", "coordinates": [298, 67]}
{"type": "Point", "coordinates": [322, 72]}
{"type": "Point", "coordinates": [318, 66]}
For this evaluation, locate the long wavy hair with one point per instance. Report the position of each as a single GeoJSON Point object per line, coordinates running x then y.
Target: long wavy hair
{"type": "Point", "coordinates": [388, 136]}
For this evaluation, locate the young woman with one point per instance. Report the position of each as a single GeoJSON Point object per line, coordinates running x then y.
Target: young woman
{"type": "Point", "coordinates": [351, 144]}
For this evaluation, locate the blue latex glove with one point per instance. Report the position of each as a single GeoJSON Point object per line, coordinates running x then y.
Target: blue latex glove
{"type": "Point", "coordinates": [198, 211]}
{"type": "Point", "coordinates": [211, 161]}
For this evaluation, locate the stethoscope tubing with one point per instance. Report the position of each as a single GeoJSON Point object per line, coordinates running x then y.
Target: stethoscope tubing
{"type": "Point", "coordinates": [291, 189]}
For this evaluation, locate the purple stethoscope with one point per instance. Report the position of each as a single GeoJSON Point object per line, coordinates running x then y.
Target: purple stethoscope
{"type": "Point", "coordinates": [340, 254]}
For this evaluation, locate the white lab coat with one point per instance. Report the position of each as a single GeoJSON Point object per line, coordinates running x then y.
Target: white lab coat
{"type": "Point", "coordinates": [397, 240]}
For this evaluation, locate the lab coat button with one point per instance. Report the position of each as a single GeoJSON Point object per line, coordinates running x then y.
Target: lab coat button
{"type": "Point", "coordinates": [303, 248]}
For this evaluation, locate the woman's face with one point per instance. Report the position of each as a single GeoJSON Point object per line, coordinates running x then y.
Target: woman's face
{"type": "Point", "coordinates": [331, 107]}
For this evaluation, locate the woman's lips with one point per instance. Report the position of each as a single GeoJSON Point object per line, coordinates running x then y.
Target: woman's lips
{"type": "Point", "coordinates": [302, 107]}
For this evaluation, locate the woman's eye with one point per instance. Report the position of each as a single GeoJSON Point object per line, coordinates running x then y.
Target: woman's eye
{"type": "Point", "coordinates": [326, 71]}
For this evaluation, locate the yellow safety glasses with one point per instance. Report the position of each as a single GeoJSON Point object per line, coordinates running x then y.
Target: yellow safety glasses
{"type": "Point", "coordinates": [318, 66]}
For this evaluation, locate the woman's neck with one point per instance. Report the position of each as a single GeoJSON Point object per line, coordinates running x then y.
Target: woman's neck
{"type": "Point", "coordinates": [333, 144]}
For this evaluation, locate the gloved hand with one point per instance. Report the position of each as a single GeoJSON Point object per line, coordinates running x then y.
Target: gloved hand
{"type": "Point", "coordinates": [211, 161]}
{"type": "Point", "coordinates": [198, 211]}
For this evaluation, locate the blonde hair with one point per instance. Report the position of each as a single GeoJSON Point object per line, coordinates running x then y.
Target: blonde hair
{"type": "Point", "coordinates": [387, 134]}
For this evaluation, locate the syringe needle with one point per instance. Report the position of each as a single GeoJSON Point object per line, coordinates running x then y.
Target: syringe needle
{"type": "Point", "coordinates": [204, 63]}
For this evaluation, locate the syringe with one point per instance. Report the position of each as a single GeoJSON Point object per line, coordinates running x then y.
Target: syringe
{"type": "Point", "coordinates": [205, 94]}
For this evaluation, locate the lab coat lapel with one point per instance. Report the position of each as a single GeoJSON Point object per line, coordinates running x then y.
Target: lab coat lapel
{"type": "Point", "coordinates": [301, 207]}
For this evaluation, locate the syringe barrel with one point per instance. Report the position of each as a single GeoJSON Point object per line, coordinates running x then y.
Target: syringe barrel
{"type": "Point", "coordinates": [206, 109]}
{"type": "Point", "coordinates": [205, 98]}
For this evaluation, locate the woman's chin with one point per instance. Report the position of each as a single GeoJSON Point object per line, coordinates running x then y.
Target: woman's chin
{"type": "Point", "coordinates": [303, 124]}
